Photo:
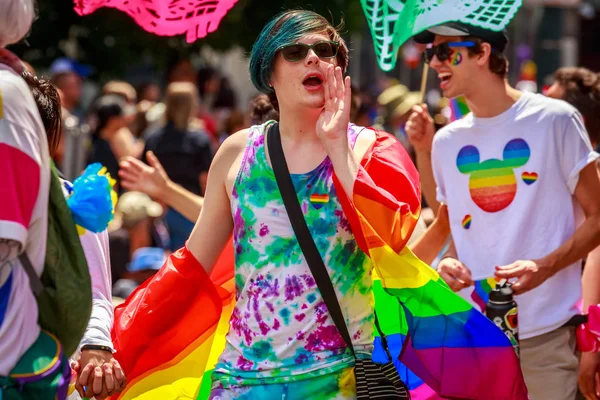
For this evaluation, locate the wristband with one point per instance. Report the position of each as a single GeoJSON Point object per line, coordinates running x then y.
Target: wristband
{"type": "Point", "coordinates": [96, 347]}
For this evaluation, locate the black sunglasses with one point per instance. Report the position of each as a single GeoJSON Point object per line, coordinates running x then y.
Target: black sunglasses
{"type": "Point", "coordinates": [442, 51]}
{"type": "Point", "coordinates": [298, 51]}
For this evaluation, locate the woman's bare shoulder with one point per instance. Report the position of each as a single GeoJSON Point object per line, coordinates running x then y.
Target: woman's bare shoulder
{"type": "Point", "coordinates": [232, 147]}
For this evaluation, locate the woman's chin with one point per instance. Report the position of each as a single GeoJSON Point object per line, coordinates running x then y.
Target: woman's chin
{"type": "Point", "coordinates": [314, 101]}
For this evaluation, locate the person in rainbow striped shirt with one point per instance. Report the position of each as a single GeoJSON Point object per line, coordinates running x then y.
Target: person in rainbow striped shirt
{"type": "Point", "coordinates": [518, 176]}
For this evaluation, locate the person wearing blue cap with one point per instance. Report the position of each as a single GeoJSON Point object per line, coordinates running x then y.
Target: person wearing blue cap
{"type": "Point", "coordinates": [67, 76]}
{"type": "Point", "coordinates": [515, 173]}
{"type": "Point", "coordinates": [146, 261]}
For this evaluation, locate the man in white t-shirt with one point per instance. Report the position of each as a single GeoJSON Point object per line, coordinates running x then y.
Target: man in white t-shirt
{"type": "Point", "coordinates": [518, 177]}
{"type": "Point", "coordinates": [25, 167]}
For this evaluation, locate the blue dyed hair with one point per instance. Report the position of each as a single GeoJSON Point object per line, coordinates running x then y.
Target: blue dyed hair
{"type": "Point", "coordinates": [285, 28]}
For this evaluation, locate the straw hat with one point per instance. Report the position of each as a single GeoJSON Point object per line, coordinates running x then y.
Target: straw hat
{"type": "Point", "coordinates": [407, 102]}
{"type": "Point", "coordinates": [132, 208]}
{"type": "Point", "coordinates": [391, 95]}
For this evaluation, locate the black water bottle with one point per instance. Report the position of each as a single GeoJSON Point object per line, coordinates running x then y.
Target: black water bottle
{"type": "Point", "coordinates": [501, 308]}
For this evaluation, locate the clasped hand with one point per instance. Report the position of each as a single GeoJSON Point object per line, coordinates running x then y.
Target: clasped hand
{"type": "Point", "coordinates": [99, 375]}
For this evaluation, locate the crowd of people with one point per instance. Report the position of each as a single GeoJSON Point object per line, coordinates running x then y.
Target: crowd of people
{"type": "Point", "coordinates": [510, 191]}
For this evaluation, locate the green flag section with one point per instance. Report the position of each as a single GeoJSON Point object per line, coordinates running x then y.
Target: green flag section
{"type": "Point", "coordinates": [393, 22]}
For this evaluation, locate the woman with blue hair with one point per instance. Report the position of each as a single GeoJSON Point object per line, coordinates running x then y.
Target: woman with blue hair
{"type": "Point", "coordinates": [282, 342]}
{"type": "Point", "coordinates": [355, 188]}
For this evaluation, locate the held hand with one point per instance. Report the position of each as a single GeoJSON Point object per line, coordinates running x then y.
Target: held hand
{"type": "Point", "coordinates": [455, 273]}
{"type": "Point", "coordinates": [420, 129]}
{"type": "Point", "coordinates": [99, 373]}
{"type": "Point", "coordinates": [530, 274]}
{"type": "Point", "coordinates": [332, 125]}
{"type": "Point", "coordinates": [150, 179]}
{"type": "Point", "coordinates": [589, 375]}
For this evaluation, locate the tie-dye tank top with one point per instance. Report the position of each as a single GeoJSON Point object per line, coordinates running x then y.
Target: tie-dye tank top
{"type": "Point", "coordinates": [280, 329]}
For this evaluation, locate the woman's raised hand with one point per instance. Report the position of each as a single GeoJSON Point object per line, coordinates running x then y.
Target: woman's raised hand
{"type": "Point", "coordinates": [332, 125]}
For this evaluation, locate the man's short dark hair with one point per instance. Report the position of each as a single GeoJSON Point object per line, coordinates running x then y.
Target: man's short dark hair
{"type": "Point", "coordinates": [498, 62]}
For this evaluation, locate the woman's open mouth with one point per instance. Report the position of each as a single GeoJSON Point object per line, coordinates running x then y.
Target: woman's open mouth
{"type": "Point", "coordinates": [313, 82]}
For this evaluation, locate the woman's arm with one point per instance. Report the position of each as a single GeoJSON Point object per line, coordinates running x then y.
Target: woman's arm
{"type": "Point", "coordinates": [215, 224]}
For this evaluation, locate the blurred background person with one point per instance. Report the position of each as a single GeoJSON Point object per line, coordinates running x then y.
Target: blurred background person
{"type": "Point", "coordinates": [580, 87]}
{"type": "Point", "coordinates": [395, 104]}
{"type": "Point", "coordinates": [111, 115]}
{"type": "Point", "coordinates": [149, 91]}
{"type": "Point", "coordinates": [184, 149]}
{"type": "Point", "coordinates": [236, 121]}
{"type": "Point", "coordinates": [137, 224]}
{"type": "Point", "coordinates": [68, 76]}
{"type": "Point", "coordinates": [121, 88]}
{"type": "Point", "coordinates": [145, 262]}
{"type": "Point", "coordinates": [261, 109]}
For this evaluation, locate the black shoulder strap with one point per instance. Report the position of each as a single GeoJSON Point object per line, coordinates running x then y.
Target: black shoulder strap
{"type": "Point", "coordinates": [34, 281]}
{"type": "Point", "coordinates": [307, 244]}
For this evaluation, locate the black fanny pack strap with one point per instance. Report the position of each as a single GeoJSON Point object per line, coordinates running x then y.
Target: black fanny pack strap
{"type": "Point", "coordinates": [307, 244]}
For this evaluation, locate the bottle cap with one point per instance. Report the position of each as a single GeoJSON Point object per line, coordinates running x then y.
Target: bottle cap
{"type": "Point", "coordinates": [501, 294]}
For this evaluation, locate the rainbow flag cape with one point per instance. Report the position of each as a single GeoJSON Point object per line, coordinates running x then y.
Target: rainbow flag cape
{"type": "Point", "coordinates": [169, 333]}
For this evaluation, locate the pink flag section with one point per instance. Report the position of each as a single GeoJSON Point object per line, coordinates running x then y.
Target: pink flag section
{"type": "Point", "coordinates": [195, 18]}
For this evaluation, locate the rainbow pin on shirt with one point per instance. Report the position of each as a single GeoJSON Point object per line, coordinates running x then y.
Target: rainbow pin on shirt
{"type": "Point", "coordinates": [319, 200]}
{"type": "Point", "coordinates": [466, 222]}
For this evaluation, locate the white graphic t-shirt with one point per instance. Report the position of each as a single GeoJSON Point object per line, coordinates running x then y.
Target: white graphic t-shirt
{"type": "Point", "coordinates": [508, 182]}
{"type": "Point", "coordinates": [25, 171]}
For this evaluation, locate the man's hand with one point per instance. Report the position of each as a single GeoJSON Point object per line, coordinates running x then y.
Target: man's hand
{"type": "Point", "coordinates": [99, 373]}
{"type": "Point", "coordinates": [529, 274]}
{"type": "Point", "coordinates": [455, 273]}
{"type": "Point", "coordinates": [589, 375]}
{"type": "Point", "coordinates": [420, 129]}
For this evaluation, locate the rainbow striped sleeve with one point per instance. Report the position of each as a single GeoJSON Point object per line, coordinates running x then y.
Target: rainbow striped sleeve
{"type": "Point", "coordinates": [170, 331]}
{"type": "Point", "coordinates": [450, 349]}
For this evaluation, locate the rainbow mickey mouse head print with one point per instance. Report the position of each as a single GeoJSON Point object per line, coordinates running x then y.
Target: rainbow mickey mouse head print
{"type": "Point", "coordinates": [493, 184]}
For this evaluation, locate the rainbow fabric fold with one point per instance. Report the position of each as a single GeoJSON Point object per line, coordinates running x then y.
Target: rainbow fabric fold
{"type": "Point", "coordinates": [481, 292]}
{"type": "Point", "coordinates": [171, 331]}
{"type": "Point", "coordinates": [453, 349]}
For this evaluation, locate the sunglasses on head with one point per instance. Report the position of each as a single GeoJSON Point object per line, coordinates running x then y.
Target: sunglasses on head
{"type": "Point", "coordinates": [442, 51]}
{"type": "Point", "coordinates": [298, 51]}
